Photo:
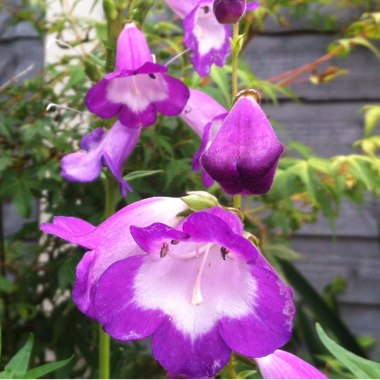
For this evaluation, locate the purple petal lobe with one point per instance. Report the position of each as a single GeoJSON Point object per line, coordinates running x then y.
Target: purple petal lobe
{"type": "Point", "coordinates": [97, 102]}
{"type": "Point", "coordinates": [178, 353]}
{"type": "Point", "coordinates": [178, 95]}
{"type": "Point", "coordinates": [283, 365]}
{"type": "Point", "coordinates": [200, 110]}
{"type": "Point", "coordinates": [269, 325]}
{"type": "Point", "coordinates": [69, 229]}
{"type": "Point", "coordinates": [206, 38]}
{"type": "Point", "coordinates": [244, 154]}
{"type": "Point", "coordinates": [114, 303]}
{"type": "Point", "coordinates": [208, 228]}
{"type": "Point", "coordinates": [132, 48]}
{"type": "Point", "coordinates": [182, 8]}
{"type": "Point", "coordinates": [229, 11]}
{"type": "Point", "coordinates": [150, 239]}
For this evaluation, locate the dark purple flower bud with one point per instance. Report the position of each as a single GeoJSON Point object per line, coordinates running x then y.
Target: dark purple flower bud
{"type": "Point", "coordinates": [229, 11]}
{"type": "Point", "coordinates": [244, 155]}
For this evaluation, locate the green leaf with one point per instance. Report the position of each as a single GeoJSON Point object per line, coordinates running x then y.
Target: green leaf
{"type": "Point", "coordinates": [246, 374]}
{"type": "Point", "coordinates": [18, 365]}
{"type": "Point", "coordinates": [140, 174]}
{"type": "Point", "coordinates": [360, 367]}
{"type": "Point", "coordinates": [43, 370]}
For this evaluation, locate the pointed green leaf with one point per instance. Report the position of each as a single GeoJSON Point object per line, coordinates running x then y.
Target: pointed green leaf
{"type": "Point", "coordinates": [18, 365]}
{"type": "Point", "coordinates": [360, 367]}
{"type": "Point", "coordinates": [43, 370]}
{"type": "Point", "coordinates": [140, 174]}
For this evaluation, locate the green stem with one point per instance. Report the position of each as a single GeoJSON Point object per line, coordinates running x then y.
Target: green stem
{"type": "Point", "coordinates": [104, 354]}
{"type": "Point", "coordinates": [111, 189]}
{"type": "Point", "coordinates": [235, 64]}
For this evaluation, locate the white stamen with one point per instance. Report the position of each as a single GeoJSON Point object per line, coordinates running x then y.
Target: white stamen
{"type": "Point", "coordinates": [197, 297]}
{"type": "Point", "coordinates": [171, 60]}
{"type": "Point", "coordinates": [190, 255]}
{"type": "Point", "coordinates": [52, 105]}
{"type": "Point", "coordinates": [154, 60]}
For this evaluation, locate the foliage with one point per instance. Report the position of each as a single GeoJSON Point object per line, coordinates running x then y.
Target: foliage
{"type": "Point", "coordinates": [38, 272]}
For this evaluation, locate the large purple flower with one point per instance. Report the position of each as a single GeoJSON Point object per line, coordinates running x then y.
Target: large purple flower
{"type": "Point", "coordinates": [195, 285]}
{"type": "Point", "coordinates": [98, 148]}
{"type": "Point", "coordinates": [139, 88]}
{"type": "Point", "coordinates": [230, 11]}
{"type": "Point", "coordinates": [200, 291]}
{"type": "Point", "coordinates": [207, 39]}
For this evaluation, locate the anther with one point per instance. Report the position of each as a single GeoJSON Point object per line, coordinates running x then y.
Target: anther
{"type": "Point", "coordinates": [206, 9]}
{"type": "Point", "coordinates": [164, 250]}
{"type": "Point", "coordinates": [174, 242]}
{"type": "Point", "coordinates": [224, 251]}
{"type": "Point", "coordinates": [152, 76]}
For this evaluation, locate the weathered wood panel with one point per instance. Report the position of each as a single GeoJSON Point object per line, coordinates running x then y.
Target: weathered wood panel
{"type": "Point", "coordinates": [272, 55]}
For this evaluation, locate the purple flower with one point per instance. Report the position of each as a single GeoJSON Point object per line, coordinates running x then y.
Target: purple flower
{"type": "Point", "coordinates": [207, 39]}
{"type": "Point", "coordinates": [98, 148]}
{"type": "Point", "coordinates": [139, 88]}
{"type": "Point", "coordinates": [231, 11]}
{"type": "Point", "coordinates": [244, 154]}
{"type": "Point", "coordinates": [194, 285]}
{"type": "Point", "coordinates": [283, 365]}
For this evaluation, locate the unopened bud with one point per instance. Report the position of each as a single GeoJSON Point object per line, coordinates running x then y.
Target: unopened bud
{"type": "Point", "coordinates": [229, 11]}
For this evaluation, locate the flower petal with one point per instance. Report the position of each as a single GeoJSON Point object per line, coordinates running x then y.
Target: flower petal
{"type": "Point", "coordinates": [91, 140]}
{"type": "Point", "coordinates": [98, 103]}
{"type": "Point", "coordinates": [68, 228]}
{"type": "Point", "coordinates": [200, 110]}
{"type": "Point", "coordinates": [114, 303]}
{"type": "Point", "coordinates": [182, 8]}
{"type": "Point", "coordinates": [151, 238]}
{"type": "Point", "coordinates": [283, 365]}
{"type": "Point", "coordinates": [117, 146]}
{"type": "Point", "coordinates": [270, 323]}
{"type": "Point", "coordinates": [207, 228]}
{"type": "Point", "coordinates": [206, 38]}
{"type": "Point", "coordinates": [252, 6]}
{"type": "Point", "coordinates": [179, 354]}
{"type": "Point", "coordinates": [132, 48]}
{"type": "Point", "coordinates": [178, 95]}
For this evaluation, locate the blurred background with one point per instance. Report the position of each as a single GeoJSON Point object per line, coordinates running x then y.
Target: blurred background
{"type": "Point", "coordinates": [317, 66]}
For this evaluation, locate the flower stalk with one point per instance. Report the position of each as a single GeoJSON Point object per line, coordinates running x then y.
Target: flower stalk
{"type": "Point", "coordinates": [235, 64]}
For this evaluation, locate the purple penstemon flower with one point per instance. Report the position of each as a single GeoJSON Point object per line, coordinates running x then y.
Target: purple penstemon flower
{"type": "Point", "coordinates": [195, 285]}
{"type": "Point", "coordinates": [101, 148]}
{"type": "Point", "coordinates": [207, 39]}
{"type": "Point", "coordinates": [138, 88]}
{"type": "Point", "coordinates": [231, 11]}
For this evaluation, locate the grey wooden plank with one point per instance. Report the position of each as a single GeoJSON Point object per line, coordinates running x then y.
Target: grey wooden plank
{"type": "Point", "coordinates": [272, 55]}
{"type": "Point", "coordinates": [356, 260]}
{"type": "Point", "coordinates": [9, 29]}
{"type": "Point", "coordinates": [317, 17]}
{"type": "Point", "coordinates": [17, 55]}
{"type": "Point", "coordinates": [328, 128]}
